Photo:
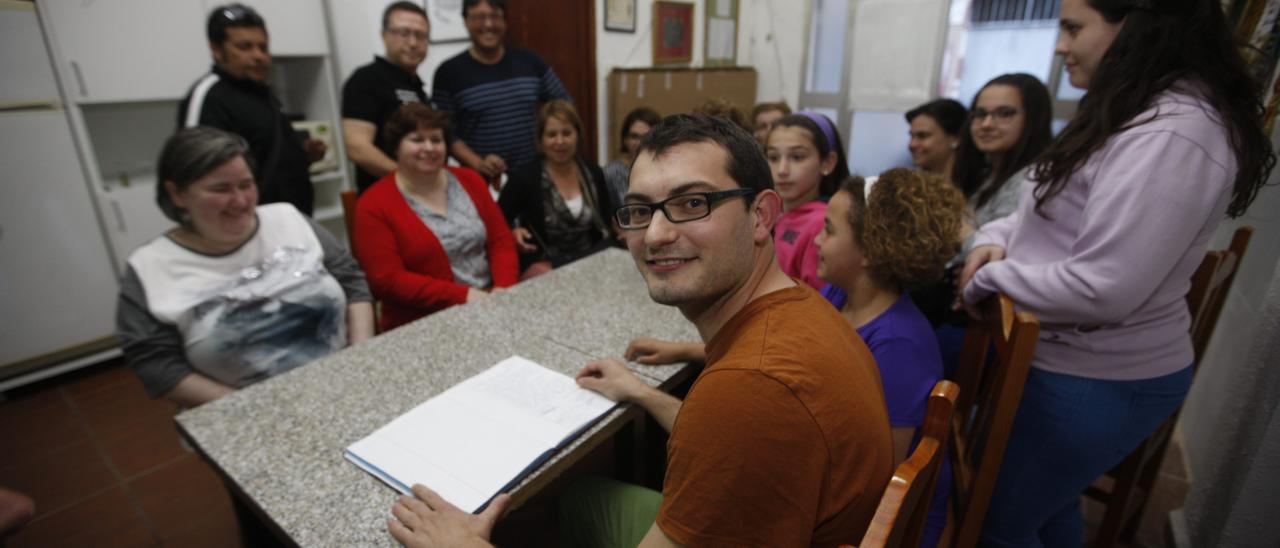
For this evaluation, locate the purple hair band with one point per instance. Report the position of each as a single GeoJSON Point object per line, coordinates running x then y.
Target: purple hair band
{"type": "Point", "coordinates": [824, 123]}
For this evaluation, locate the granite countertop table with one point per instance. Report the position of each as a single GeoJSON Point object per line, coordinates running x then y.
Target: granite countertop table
{"type": "Point", "coordinates": [281, 441]}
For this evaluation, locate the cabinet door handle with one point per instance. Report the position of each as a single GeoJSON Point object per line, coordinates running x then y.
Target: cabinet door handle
{"type": "Point", "coordinates": [75, 68]}
{"type": "Point", "coordinates": [115, 206]}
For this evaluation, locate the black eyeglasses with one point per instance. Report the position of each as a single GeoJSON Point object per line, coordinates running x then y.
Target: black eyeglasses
{"type": "Point", "coordinates": [678, 209]}
{"type": "Point", "coordinates": [1001, 114]}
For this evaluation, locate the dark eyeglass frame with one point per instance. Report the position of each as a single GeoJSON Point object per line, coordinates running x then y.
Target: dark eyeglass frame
{"type": "Point", "coordinates": [712, 198]}
{"type": "Point", "coordinates": [404, 34]}
{"type": "Point", "coordinates": [1001, 113]}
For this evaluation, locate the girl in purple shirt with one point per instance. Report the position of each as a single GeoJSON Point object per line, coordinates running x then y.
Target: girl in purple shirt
{"type": "Point", "coordinates": [878, 241]}
{"type": "Point", "coordinates": [1166, 140]}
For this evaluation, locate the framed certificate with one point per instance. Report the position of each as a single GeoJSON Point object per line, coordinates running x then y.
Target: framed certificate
{"type": "Point", "coordinates": [620, 15]}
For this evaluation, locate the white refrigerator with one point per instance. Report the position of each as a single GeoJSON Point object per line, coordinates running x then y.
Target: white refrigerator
{"type": "Point", "coordinates": [58, 285]}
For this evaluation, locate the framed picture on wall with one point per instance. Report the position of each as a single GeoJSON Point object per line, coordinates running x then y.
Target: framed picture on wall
{"type": "Point", "coordinates": [620, 15]}
{"type": "Point", "coordinates": [672, 32]}
{"type": "Point", "coordinates": [447, 24]}
{"type": "Point", "coordinates": [720, 38]}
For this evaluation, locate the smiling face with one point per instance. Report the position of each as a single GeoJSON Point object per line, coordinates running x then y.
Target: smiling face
{"type": "Point", "coordinates": [696, 263]}
{"type": "Point", "coordinates": [405, 39]}
{"type": "Point", "coordinates": [559, 141]}
{"type": "Point", "coordinates": [244, 54]}
{"type": "Point", "coordinates": [1085, 36]}
{"type": "Point", "coordinates": [421, 151]}
{"type": "Point", "coordinates": [221, 205]}
{"type": "Point", "coordinates": [840, 259]}
{"type": "Point", "coordinates": [998, 119]}
{"type": "Point", "coordinates": [931, 148]}
{"type": "Point", "coordinates": [797, 166]}
{"type": "Point", "coordinates": [487, 26]}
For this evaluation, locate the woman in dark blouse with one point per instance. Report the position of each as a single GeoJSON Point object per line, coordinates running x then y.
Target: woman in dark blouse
{"type": "Point", "coordinates": [559, 205]}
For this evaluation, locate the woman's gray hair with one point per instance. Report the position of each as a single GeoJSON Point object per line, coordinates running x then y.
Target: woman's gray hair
{"type": "Point", "coordinates": [190, 154]}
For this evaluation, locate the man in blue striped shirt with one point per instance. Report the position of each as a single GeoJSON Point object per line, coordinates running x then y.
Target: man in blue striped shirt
{"type": "Point", "coordinates": [492, 91]}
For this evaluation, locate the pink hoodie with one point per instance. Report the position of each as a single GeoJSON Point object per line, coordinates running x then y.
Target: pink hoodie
{"type": "Point", "coordinates": [793, 242]}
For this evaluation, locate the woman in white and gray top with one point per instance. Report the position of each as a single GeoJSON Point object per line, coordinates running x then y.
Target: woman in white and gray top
{"type": "Point", "coordinates": [235, 293]}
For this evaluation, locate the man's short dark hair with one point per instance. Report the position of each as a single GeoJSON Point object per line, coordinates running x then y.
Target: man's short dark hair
{"type": "Point", "coordinates": [746, 164]}
{"type": "Point", "coordinates": [231, 15]}
{"type": "Point", "coordinates": [411, 7]}
{"type": "Point", "coordinates": [500, 5]}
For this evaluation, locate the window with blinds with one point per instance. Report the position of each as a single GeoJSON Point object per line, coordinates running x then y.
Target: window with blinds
{"type": "Point", "coordinates": [998, 11]}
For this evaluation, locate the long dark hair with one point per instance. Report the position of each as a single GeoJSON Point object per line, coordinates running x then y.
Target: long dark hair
{"type": "Point", "coordinates": [972, 166]}
{"type": "Point", "coordinates": [1161, 43]}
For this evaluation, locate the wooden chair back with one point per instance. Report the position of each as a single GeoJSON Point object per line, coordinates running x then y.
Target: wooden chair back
{"type": "Point", "coordinates": [1209, 287]}
{"type": "Point", "coordinates": [900, 517]}
{"type": "Point", "coordinates": [1135, 477]}
{"type": "Point", "coordinates": [349, 216]}
{"type": "Point", "coordinates": [990, 392]}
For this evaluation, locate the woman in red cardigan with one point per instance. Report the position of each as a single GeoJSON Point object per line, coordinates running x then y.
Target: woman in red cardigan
{"type": "Point", "coordinates": [429, 236]}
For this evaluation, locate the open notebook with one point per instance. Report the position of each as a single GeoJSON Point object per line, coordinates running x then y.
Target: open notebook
{"type": "Point", "coordinates": [479, 438]}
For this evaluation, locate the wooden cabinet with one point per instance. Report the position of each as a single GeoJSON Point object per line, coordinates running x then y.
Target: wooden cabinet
{"type": "Point", "coordinates": [128, 50]}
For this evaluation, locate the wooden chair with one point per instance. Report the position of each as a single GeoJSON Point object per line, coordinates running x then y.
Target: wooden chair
{"type": "Point", "coordinates": [984, 413]}
{"type": "Point", "coordinates": [1136, 475]}
{"type": "Point", "coordinates": [349, 216]}
{"type": "Point", "coordinates": [900, 517]}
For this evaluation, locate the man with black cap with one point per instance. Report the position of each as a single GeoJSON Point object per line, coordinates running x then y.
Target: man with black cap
{"type": "Point", "coordinates": [235, 97]}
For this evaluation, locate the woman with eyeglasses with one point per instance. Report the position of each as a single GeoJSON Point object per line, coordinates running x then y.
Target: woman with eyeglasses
{"type": "Point", "coordinates": [634, 127]}
{"type": "Point", "coordinates": [1166, 141]}
{"type": "Point", "coordinates": [559, 204]}
{"type": "Point", "coordinates": [1008, 128]}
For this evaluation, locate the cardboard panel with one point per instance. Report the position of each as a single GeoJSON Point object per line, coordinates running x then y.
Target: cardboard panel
{"type": "Point", "coordinates": [675, 90]}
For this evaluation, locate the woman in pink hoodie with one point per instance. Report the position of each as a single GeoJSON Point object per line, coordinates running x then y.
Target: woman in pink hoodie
{"type": "Point", "coordinates": [1166, 142]}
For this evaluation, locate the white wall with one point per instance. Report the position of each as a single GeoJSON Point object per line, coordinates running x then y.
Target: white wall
{"type": "Point", "coordinates": [996, 50]}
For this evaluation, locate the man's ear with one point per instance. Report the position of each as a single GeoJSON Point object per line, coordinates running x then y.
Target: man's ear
{"type": "Point", "coordinates": [767, 209]}
{"type": "Point", "coordinates": [216, 51]}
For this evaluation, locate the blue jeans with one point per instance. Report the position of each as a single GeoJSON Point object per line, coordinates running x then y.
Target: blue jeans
{"type": "Point", "coordinates": [1069, 431]}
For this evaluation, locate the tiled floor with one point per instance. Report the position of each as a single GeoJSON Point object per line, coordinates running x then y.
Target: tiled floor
{"type": "Point", "coordinates": [104, 465]}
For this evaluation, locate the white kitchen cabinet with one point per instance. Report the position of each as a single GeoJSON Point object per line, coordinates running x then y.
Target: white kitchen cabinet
{"type": "Point", "coordinates": [295, 27]}
{"type": "Point", "coordinates": [57, 284]}
{"type": "Point", "coordinates": [128, 50]}
{"type": "Point", "coordinates": [22, 52]}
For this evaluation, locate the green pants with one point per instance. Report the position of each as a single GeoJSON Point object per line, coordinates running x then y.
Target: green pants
{"type": "Point", "coordinates": [606, 513]}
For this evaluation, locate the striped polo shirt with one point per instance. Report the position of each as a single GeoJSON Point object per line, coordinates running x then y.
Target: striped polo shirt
{"type": "Point", "coordinates": [494, 106]}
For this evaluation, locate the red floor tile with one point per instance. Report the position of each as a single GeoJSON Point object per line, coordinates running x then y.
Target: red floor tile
{"type": "Point", "coordinates": [100, 379]}
{"type": "Point", "coordinates": [37, 423]}
{"type": "Point", "coordinates": [184, 498]}
{"type": "Point", "coordinates": [145, 443]}
{"type": "Point", "coordinates": [107, 520]}
{"type": "Point", "coordinates": [57, 478]}
{"type": "Point", "coordinates": [119, 407]}
{"type": "Point", "coordinates": [216, 528]}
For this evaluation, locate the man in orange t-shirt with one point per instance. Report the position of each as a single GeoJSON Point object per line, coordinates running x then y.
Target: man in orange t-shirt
{"type": "Point", "coordinates": [783, 440]}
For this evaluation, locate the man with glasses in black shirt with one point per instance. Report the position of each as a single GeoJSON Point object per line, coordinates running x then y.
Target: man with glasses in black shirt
{"type": "Point", "coordinates": [235, 97]}
{"type": "Point", "coordinates": [378, 89]}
